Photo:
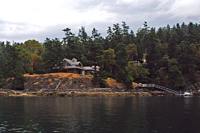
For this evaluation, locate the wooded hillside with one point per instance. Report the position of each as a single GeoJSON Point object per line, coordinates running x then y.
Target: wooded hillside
{"type": "Point", "coordinates": [169, 56]}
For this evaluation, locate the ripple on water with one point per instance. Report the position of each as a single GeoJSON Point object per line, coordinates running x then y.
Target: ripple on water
{"type": "Point", "coordinates": [3, 126]}
{"type": "Point", "coordinates": [100, 115]}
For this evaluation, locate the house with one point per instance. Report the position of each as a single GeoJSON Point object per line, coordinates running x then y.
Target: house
{"type": "Point", "coordinates": [76, 66]}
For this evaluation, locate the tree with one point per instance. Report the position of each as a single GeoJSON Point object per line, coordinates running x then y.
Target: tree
{"type": "Point", "coordinates": [69, 38]}
{"type": "Point", "coordinates": [108, 60]}
{"type": "Point", "coordinates": [83, 35]}
{"type": "Point", "coordinates": [54, 53]}
{"type": "Point", "coordinates": [125, 33]}
{"type": "Point", "coordinates": [175, 75]}
{"type": "Point", "coordinates": [11, 65]}
{"type": "Point", "coordinates": [95, 34]}
{"type": "Point", "coordinates": [131, 50]}
{"type": "Point", "coordinates": [95, 48]}
{"type": "Point", "coordinates": [31, 51]}
{"type": "Point", "coordinates": [170, 74]}
{"type": "Point", "coordinates": [136, 72]}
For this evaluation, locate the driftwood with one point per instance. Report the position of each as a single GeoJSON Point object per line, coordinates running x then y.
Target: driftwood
{"type": "Point", "coordinates": [58, 85]}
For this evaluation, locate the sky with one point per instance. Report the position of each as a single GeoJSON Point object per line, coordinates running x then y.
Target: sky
{"type": "Point", "coordinates": [21, 20]}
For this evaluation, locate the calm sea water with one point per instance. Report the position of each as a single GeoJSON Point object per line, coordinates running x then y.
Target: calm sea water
{"type": "Point", "coordinates": [100, 114]}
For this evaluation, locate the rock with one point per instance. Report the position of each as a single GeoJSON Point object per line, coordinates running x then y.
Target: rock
{"type": "Point", "coordinates": [112, 83]}
{"type": "Point", "coordinates": [58, 81]}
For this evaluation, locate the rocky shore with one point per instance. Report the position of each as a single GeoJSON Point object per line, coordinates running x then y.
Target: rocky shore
{"type": "Point", "coordinates": [70, 93]}
{"type": "Point", "coordinates": [70, 84]}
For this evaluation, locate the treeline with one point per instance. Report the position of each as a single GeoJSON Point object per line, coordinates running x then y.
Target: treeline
{"type": "Point", "coordinates": [168, 56]}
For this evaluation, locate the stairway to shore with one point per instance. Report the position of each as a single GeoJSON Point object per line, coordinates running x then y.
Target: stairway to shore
{"type": "Point", "coordinates": [160, 88]}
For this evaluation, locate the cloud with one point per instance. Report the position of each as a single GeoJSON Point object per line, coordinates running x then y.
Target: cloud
{"type": "Point", "coordinates": [26, 19]}
{"type": "Point", "coordinates": [186, 8]}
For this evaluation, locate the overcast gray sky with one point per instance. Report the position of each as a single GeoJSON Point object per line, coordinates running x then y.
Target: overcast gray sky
{"type": "Point", "coordinates": [37, 19]}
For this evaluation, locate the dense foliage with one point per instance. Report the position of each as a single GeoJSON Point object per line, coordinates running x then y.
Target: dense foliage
{"type": "Point", "coordinates": [168, 56]}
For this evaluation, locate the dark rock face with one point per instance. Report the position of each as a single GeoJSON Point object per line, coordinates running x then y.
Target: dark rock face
{"type": "Point", "coordinates": [55, 83]}
{"type": "Point", "coordinates": [14, 83]}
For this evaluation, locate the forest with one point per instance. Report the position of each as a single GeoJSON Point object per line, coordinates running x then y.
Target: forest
{"type": "Point", "coordinates": [168, 56]}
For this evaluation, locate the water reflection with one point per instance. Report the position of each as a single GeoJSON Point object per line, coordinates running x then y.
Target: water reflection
{"type": "Point", "coordinates": [100, 114]}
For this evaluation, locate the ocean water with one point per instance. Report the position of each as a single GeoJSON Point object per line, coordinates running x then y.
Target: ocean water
{"type": "Point", "coordinates": [99, 114]}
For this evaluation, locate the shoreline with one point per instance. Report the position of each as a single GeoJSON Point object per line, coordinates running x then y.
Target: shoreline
{"type": "Point", "coordinates": [76, 93]}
